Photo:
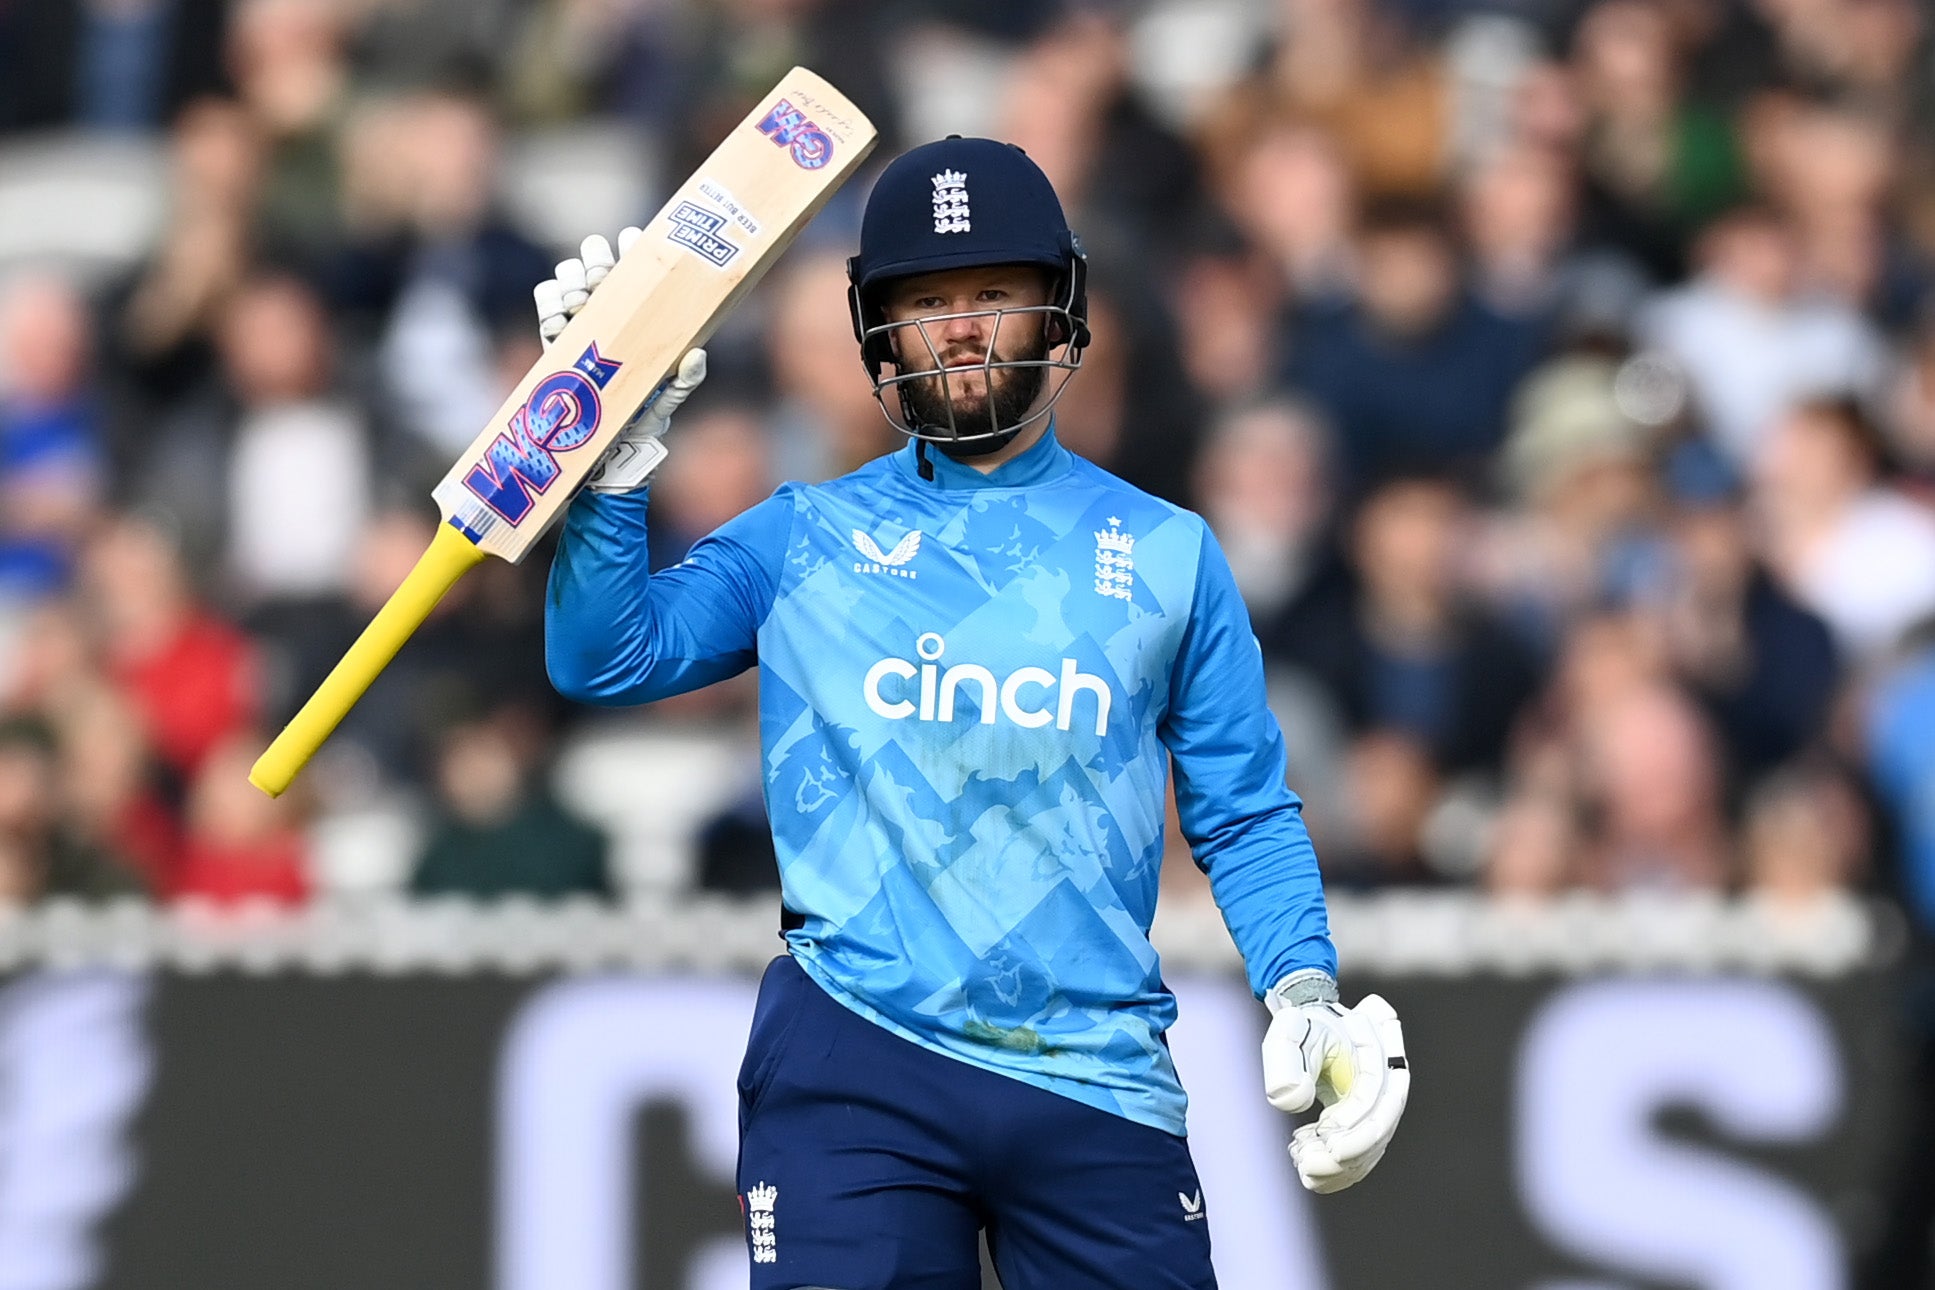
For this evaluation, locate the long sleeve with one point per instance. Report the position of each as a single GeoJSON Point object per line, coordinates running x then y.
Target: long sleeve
{"type": "Point", "coordinates": [617, 634]}
{"type": "Point", "coordinates": [1244, 825]}
{"type": "Point", "coordinates": [1901, 758]}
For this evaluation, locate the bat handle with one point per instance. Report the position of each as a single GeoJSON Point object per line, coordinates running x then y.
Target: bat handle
{"type": "Point", "coordinates": [451, 555]}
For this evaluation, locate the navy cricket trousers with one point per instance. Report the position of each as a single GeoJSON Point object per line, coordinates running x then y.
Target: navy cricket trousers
{"type": "Point", "coordinates": [867, 1162]}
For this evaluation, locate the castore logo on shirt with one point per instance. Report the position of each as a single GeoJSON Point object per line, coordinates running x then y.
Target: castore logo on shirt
{"type": "Point", "coordinates": [887, 562]}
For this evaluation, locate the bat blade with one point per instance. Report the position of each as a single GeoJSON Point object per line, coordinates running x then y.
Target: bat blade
{"type": "Point", "coordinates": [714, 238]}
{"type": "Point", "coordinates": [703, 251]}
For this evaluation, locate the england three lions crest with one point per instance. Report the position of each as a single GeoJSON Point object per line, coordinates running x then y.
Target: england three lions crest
{"type": "Point", "coordinates": [1115, 561]}
{"type": "Point", "coordinates": [761, 1202]}
{"type": "Point", "coordinates": [951, 214]}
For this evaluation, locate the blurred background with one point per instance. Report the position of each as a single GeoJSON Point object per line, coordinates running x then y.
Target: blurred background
{"type": "Point", "coordinates": [1559, 376]}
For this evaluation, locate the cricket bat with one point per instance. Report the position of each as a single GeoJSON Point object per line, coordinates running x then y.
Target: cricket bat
{"type": "Point", "coordinates": [698, 257]}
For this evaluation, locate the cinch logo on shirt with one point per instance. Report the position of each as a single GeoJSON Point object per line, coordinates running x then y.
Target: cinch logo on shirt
{"type": "Point", "coordinates": [1012, 696]}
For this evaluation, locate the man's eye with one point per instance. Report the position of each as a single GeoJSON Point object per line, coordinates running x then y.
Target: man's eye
{"type": "Point", "coordinates": [929, 302]}
{"type": "Point", "coordinates": [994, 293]}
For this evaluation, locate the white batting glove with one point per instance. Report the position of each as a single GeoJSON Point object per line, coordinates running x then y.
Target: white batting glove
{"type": "Point", "coordinates": [638, 449]}
{"type": "Point", "coordinates": [1351, 1060]}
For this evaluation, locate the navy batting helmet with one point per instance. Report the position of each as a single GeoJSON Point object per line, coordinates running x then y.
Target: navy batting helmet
{"type": "Point", "coordinates": [964, 203]}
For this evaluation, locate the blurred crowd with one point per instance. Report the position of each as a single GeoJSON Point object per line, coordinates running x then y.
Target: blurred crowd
{"type": "Point", "coordinates": [1559, 376]}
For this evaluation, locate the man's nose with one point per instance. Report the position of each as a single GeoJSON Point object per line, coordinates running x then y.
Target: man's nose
{"type": "Point", "coordinates": [963, 329]}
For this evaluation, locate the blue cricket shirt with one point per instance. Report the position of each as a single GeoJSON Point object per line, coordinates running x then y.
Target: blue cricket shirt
{"type": "Point", "coordinates": [972, 689]}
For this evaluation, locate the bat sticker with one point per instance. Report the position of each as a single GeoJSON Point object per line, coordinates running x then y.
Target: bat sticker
{"type": "Point", "coordinates": [788, 127]}
{"type": "Point", "coordinates": [699, 230]}
{"type": "Point", "coordinates": [561, 413]}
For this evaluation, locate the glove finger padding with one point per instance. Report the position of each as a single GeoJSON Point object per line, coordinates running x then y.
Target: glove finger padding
{"type": "Point", "coordinates": [1289, 1077]}
{"type": "Point", "coordinates": [559, 298]}
{"type": "Point", "coordinates": [1318, 1167]}
{"type": "Point", "coordinates": [595, 251]}
{"type": "Point", "coordinates": [571, 280]}
{"type": "Point", "coordinates": [689, 377]}
{"type": "Point", "coordinates": [549, 297]}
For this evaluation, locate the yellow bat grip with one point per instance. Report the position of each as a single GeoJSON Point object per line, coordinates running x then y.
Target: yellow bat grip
{"type": "Point", "coordinates": [450, 557]}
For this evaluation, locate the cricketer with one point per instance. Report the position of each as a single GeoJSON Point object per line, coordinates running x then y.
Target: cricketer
{"type": "Point", "coordinates": [979, 657]}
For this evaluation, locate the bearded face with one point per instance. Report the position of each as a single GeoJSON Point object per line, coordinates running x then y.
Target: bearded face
{"type": "Point", "coordinates": [947, 324]}
{"type": "Point", "coordinates": [978, 401]}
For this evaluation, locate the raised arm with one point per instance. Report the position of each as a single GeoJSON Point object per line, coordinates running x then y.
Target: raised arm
{"type": "Point", "coordinates": [616, 634]}
{"type": "Point", "coordinates": [613, 633]}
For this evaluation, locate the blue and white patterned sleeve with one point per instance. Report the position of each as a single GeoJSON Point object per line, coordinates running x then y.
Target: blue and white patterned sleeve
{"type": "Point", "coordinates": [1245, 827]}
{"type": "Point", "coordinates": [616, 634]}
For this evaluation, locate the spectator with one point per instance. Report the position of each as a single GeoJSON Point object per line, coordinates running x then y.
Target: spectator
{"type": "Point", "coordinates": [1263, 481]}
{"type": "Point", "coordinates": [1579, 533]}
{"type": "Point", "coordinates": [1228, 300]}
{"type": "Point", "coordinates": [826, 421]}
{"type": "Point", "coordinates": [438, 274]}
{"type": "Point", "coordinates": [1517, 216]}
{"type": "Point", "coordinates": [1751, 343]}
{"type": "Point", "coordinates": [299, 470]}
{"type": "Point", "coordinates": [1122, 174]}
{"type": "Point", "coordinates": [1288, 192]}
{"type": "Point", "coordinates": [1357, 345]}
{"type": "Point", "coordinates": [1535, 842]}
{"type": "Point", "coordinates": [1804, 837]}
{"type": "Point", "coordinates": [53, 660]}
{"type": "Point", "coordinates": [1132, 411]}
{"type": "Point", "coordinates": [161, 320]}
{"type": "Point", "coordinates": [109, 793]}
{"type": "Point", "coordinates": [499, 832]}
{"type": "Point", "coordinates": [51, 461]}
{"type": "Point", "coordinates": [20, 881]}
{"type": "Point", "coordinates": [1264, 486]}
{"type": "Point", "coordinates": [1848, 546]}
{"type": "Point", "coordinates": [1656, 165]}
{"type": "Point", "coordinates": [1834, 168]}
{"type": "Point", "coordinates": [1650, 775]}
{"type": "Point", "coordinates": [191, 675]}
{"type": "Point", "coordinates": [731, 52]}
{"type": "Point", "coordinates": [241, 845]}
{"type": "Point", "coordinates": [39, 856]}
{"type": "Point", "coordinates": [1618, 764]}
{"type": "Point", "coordinates": [1415, 373]}
{"type": "Point", "coordinates": [124, 66]}
{"type": "Point", "coordinates": [1352, 69]}
{"type": "Point", "coordinates": [1390, 785]}
{"type": "Point", "coordinates": [292, 74]}
{"type": "Point", "coordinates": [1764, 668]}
{"type": "Point", "coordinates": [1417, 655]}
{"type": "Point", "coordinates": [572, 58]}
{"type": "Point", "coordinates": [1862, 50]}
